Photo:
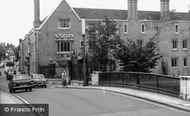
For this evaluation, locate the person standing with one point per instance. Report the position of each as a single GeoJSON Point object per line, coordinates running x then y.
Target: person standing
{"type": "Point", "coordinates": [64, 78]}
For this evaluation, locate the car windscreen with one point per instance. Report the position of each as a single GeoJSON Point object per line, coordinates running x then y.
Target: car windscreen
{"type": "Point", "coordinates": [20, 77]}
{"type": "Point", "coordinates": [38, 76]}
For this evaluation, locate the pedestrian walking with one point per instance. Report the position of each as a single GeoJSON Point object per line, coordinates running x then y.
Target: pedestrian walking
{"type": "Point", "coordinates": [65, 79]}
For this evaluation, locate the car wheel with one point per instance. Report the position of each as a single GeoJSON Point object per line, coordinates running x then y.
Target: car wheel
{"type": "Point", "coordinates": [45, 86]}
{"type": "Point", "coordinates": [13, 91]}
{"type": "Point", "coordinates": [10, 90]}
{"type": "Point", "coordinates": [30, 89]}
{"type": "Point", "coordinates": [26, 89]}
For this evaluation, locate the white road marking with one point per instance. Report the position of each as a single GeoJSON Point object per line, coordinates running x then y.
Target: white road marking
{"type": "Point", "coordinates": [23, 100]}
{"type": "Point", "coordinates": [186, 104]}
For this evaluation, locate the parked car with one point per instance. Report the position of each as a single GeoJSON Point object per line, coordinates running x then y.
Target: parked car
{"type": "Point", "coordinates": [9, 70]}
{"type": "Point", "coordinates": [39, 80]}
{"type": "Point", "coordinates": [10, 73]}
{"type": "Point", "coordinates": [20, 82]}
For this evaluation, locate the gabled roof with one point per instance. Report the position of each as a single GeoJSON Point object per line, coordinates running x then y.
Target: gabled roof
{"type": "Point", "coordinates": [47, 18]}
{"type": "Point", "coordinates": [182, 16]}
{"type": "Point", "coordinates": [90, 13]}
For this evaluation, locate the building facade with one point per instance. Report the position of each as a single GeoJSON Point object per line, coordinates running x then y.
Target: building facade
{"type": "Point", "coordinates": [52, 41]}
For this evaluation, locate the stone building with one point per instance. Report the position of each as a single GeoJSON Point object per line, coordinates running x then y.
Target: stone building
{"type": "Point", "coordinates": [51, 42]}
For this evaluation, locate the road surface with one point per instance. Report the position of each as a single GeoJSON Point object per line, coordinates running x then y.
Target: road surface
{"type": "Point", "coordinates": [88, 102]}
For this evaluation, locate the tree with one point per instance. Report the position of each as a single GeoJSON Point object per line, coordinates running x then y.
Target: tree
{"type": "Point", "coordinates": [105, 47]}
{"type": "Point", "coordinates": [2, 52]}
{"type": "Point", "coordinates": [16, 52]}
{"type": "Point", "coordinates": [137, 58]}
{"type": "Point", "coordinates": [102, 41]}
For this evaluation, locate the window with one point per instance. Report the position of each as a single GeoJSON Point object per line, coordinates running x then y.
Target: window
{"type": "Point", "coordinates": [185, 62]}
{"type": "Point", "coordinates": [64, 42]}
{"type": "Point", "coordinates": [58, 47]}
{"type": "Point", "coordinates": [184, 42]}
{"type": "Point", "coordinates": [176, 29]}
{"type": "Point", "coordinates": [67, 46]}
{"type": "Point", "coordinates": [174, 44]}
{"type": "Point", "coordinates": [28, 49]}
{"type": "Point", "coordinates": [63, 46]}
{"type": "Point", "coordinates": [125, 28]}
{"type": "Point", "coordinates": [174, 62]}
{"type": "Point", "coordinates": [29, 46]}
{"type": "Point", "coordinates": [81, 43]}
{"type": "Point", "coordinates": [64, 23]}
{"type": "Point", "coordinates": [143, 28]}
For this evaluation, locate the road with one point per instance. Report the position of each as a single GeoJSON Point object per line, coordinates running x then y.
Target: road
{"type": "Point", "coordinates": [87, 102]}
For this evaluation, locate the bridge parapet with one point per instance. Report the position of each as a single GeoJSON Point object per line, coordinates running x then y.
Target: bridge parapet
{"type": "Point", "coordinates": [164, 84]}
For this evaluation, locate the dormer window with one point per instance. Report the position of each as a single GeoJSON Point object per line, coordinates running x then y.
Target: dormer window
{"type": "Point", "coordinates": [143, 28]}
{"type": "Point", "coordinates": [64, 24]}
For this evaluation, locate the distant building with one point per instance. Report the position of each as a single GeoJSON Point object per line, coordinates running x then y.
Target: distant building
{"type": "Point", "coordinates": [8, 49]}
{"type": "Point", "coordinates": [52, 41]}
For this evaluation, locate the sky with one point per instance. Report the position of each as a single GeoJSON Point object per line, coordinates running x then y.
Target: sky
{"type": "Point", "coordinates": [17, 15]}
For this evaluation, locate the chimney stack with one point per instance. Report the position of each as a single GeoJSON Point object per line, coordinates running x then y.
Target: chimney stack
{"type": "Point", "coordinates": [165, 9]}
{"type": "Point", "coordinates": [132, 9]}
{"type": "Point", "coordinates": [20, 41]}
{"type": "Point", "coordinates": [37, 21]}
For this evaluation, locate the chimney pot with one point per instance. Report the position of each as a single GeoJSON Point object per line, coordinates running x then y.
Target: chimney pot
{"type": "Point", "coordinates": [132, 9]}
{"type": "Point", "coordinates": [165, 9]}
{"type": "Point", "coordinates": [37, 21]}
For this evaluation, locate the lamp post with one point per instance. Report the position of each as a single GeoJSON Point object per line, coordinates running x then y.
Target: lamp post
{"type": "Point", "coordinates": [84, 54]}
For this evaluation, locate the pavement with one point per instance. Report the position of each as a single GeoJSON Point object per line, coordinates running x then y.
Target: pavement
{"type": "Point", "coordinates": [6, 98]}
{"type": "Point", "coordinates": [174, 102]}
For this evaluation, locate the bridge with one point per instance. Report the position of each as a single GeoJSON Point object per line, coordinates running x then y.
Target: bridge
{"type": "Point", "coordinates": [170, 85]}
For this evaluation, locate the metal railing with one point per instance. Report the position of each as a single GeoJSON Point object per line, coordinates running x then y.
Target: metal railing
{"type": "Point", "coordinates": [146, 81]}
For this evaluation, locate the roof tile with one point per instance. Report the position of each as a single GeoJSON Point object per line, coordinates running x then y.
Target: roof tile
{"type": "Point", "coordinates": [90, 13]}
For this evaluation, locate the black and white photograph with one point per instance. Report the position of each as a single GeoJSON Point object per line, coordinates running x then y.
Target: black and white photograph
{"type": "Point", "coordinates": [95, 58]}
